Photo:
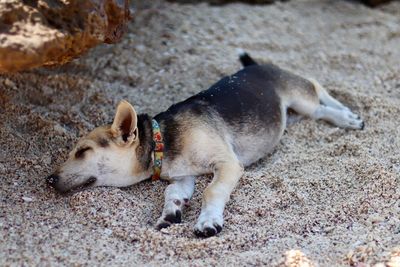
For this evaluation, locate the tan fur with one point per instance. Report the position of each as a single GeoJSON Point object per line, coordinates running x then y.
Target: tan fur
{"type": "Point", "coordinates": [110, 159]}
{"type": "Point", "coordinates": [124, 124]}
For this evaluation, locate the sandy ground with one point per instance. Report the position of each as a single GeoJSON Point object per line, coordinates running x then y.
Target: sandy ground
{"type": "Point", "coordinates": [325, 197]}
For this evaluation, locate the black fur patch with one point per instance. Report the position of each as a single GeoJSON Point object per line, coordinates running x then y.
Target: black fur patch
{"type": "Point", "coordinates": [246, 97]}
{"type": "Point", "coordinates": [171, 130]}
{"type": "Point", "coordinates": [246, 60]}
{"type": "Point", "coordinates": [146, 145]}
{"type": "Point", "coordinates": [174, 218]}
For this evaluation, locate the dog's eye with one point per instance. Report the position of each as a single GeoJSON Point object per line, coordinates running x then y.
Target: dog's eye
{"type": "Point", "coordinates": [81, 152]}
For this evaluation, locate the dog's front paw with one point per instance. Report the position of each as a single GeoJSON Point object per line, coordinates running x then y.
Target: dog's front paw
{"type": "Point", "coordinates": [167, 220]}
{"type": "Point", "coordinates": [172, 213]}
{"type": "Point", "coordinates": [208, 225]}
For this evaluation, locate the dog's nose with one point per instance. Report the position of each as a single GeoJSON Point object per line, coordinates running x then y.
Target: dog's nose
{"type": "Point", "coordinates": [52, 179]}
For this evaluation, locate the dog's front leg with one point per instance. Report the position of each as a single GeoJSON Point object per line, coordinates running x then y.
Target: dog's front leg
{"type": "Point", "coordinates": [177, 195]}
{"type": "Point", "coordinates": [226, 176]}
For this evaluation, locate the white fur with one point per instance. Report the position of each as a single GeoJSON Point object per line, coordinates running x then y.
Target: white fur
{"type": "Point", "coordinates": [111, 167]}
{"type": "Point", "coordinates": [340, 117]}
{"type": "Point", "coordinates": [333, 111]}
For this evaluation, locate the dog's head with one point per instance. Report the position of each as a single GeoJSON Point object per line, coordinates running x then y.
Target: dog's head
{"type": "Point", "coordinates": [105, 157]}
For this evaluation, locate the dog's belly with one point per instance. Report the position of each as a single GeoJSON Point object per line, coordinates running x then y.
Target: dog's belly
{"type": "Point", "coordinates": [250, 146]}
{"type": "Point", "coordinates": [251, 111]}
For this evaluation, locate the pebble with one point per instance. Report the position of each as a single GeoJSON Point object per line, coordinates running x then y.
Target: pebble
{"type": "Point", "coordinates": [59, 129]}
{"type": "Point", "coordinates": [108, 231]}
{"type": "Point", "coordinates": [27, 199]}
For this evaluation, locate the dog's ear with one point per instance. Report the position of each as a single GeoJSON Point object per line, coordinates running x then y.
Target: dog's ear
{"type": "Point", "coordinates": [124, 126]}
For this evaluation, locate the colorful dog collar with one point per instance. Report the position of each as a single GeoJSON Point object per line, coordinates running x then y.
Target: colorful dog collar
{"type": "Point", "coordinates": [158, 150]}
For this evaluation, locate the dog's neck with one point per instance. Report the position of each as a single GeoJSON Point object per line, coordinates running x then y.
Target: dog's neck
{"type": "Point", "coordinates": [148, 147]}
{"type": "Point", "coordinates": [144, 152]}
{"type": "Point", "coordinates": [171, 134]}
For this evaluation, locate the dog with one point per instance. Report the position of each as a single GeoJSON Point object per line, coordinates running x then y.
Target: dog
{"type": "Point", "coordinates": [237, 121]}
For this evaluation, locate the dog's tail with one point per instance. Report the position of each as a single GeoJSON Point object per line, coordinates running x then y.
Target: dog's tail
{"type": "Point", "coordinates": [245, 58]}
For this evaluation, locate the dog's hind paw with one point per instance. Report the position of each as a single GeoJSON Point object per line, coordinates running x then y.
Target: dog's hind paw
{"type": "Point", "coordinates": [351, 120]}
{"type": "Point", "coordinates": [208, 226]}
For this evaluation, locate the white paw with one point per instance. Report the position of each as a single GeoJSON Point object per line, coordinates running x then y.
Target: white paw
{"type": "Point", "coordinates": [208, 224]}
{"type": "Point", "coordinates": [172, 213]}
{"type": "Point", "coordinates": [350, 114]}
{"type": "Point", "coordinates": [351, 120]}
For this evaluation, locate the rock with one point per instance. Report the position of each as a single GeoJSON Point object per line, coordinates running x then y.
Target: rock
{"type": "Point", "coordinates": [53, 32]}
{"type": "Point", "coordinates": [375, 2]}
{"type": "Point", "coordinates": [220, 2]}
{"type": "Point", "coordinates": [296, 258]}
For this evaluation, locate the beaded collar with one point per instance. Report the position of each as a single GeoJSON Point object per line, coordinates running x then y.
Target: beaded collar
{"type": "Point", "coordinates": [158, 150]}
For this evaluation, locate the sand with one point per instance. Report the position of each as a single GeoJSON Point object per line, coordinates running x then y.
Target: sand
{"type": "Point", "coordinates": [324, 197]}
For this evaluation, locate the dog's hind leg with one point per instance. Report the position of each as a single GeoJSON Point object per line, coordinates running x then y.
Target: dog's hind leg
{"type": "Point", "coordinates": [325, 98]}
{"type": "Point", "coordinates": [177, 195]}
{"type": "Point", "coordinates": [316, 103]}
{"type": "Point", "coordinates": [216, 195]}
{"type": "Point", "coordinates": [339, 117]}
{"type": "Point", "coordinates": [333, 111]}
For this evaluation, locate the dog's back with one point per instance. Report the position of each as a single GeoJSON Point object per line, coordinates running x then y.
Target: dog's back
{"type": "Point", "coordinates": [244, 109]}
{"type": "Point", "coordinates": [247, 109]}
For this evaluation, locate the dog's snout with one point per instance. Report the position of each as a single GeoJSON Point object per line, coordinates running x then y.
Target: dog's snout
{"type": "Point", "coordinates": [90, 181]}
{"type": "Point", "coordinates": [52, 179]}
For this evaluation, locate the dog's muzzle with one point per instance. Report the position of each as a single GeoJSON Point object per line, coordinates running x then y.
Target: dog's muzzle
{"type": "Point", "coordinates": [54, 181]}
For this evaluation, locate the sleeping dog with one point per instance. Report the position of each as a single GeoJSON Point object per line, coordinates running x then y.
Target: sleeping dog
{"type": "Point", "coordinates": [234, 123]}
